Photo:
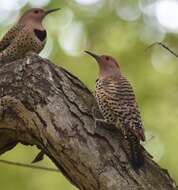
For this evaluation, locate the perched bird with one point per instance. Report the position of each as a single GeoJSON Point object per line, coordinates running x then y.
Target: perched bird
{"type": "Point", "coordinates": [117, 103]}
{"type": "Point", "coordinates": [28, 35]}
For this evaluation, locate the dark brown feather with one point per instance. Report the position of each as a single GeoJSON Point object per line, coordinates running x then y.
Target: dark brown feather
{"type": "Point", "coordinates": [40, 34]}
{"type": "Point", "coordinates": [117, 102]}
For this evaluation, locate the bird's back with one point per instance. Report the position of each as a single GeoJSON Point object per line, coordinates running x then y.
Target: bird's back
{"type": "Point", "coordinates": [25, 41]}
{"type": "Point", "coordinates": [10, 36]}
{"type": "Point", "coordinates": [117, 102]}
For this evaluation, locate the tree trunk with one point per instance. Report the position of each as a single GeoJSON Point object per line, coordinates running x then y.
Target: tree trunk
{"type": "Point", "coordinates": [44, 105]}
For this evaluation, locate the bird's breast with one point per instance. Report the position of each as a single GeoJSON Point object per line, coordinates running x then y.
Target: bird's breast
{"type": "Point", "coordinates": [103, 103]}
{"type": "Point", "coordinates": [40, 34]}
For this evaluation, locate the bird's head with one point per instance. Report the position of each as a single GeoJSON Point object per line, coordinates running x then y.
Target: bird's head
{"type": "Point", "coordinates": [35, 15]}
{"type": "Point", "coordinates": [107, 64]}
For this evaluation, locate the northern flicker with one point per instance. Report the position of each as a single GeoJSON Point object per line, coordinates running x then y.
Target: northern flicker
{"type": "Point", "coordinates": [117, 103]}
{"type": "Point", "coordinates": [28, 35]}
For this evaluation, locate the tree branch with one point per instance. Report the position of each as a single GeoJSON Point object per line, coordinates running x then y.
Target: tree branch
{"type": "Point", "coordinates": [44, 105]}
{"type": "Point", "coordinates": [163, 46]}
{"type": "Point", "coordinates": [11, 163]}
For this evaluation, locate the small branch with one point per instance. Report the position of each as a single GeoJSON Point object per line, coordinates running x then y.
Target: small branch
{"type": "Point", "coordinates": [28, 166]}
{"type": "Point", "coordinates": [162, 45]}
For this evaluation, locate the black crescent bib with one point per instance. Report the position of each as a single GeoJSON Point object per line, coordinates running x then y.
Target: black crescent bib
{"type": "Point", "coordinates": [40, 34]}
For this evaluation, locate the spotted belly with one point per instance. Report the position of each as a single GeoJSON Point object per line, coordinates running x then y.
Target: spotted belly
{"type": "Point", "coordinates": [103, 105]}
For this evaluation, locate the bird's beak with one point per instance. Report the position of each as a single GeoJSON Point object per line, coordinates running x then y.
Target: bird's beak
{"type": "Point", "coordinates": [51, 11]}
{"type": "Point", "coordinates": [97, 57]}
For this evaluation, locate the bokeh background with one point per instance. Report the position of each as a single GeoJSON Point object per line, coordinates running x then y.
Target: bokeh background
{"type": "Point", "coordinates": [123, 29]}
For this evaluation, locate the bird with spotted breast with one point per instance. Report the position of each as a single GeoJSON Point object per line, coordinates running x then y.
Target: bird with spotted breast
{"type": "Point", "coordinates": [117, 103]}
{"type": "Point", "coordinates": [28, 35]}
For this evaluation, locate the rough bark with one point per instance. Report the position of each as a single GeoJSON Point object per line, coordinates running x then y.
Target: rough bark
{"type": "Point", "coordinates": [44, 105]}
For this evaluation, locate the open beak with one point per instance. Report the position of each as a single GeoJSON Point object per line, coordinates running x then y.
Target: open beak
{"type": "Point", "coordinates": [97, 57]}
{"type": "Point", "coordinates": [51, 11]}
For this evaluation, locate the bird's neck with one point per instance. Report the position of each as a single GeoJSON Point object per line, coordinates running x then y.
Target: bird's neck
{"type": "Point", "coordinates": [38, 26]}
{"type": "Point", "coordinates": [109, 72]}
{"type": "Point", "coordinates": [33, 24]}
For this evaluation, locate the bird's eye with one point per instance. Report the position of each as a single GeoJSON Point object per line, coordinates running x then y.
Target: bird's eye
{"type": "Point", "coordinates": [107, 58]}
{"type": "Point", "coordinates": [36, 12]}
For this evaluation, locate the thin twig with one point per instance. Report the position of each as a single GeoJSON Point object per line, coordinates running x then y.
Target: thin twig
{"type": "Point", "coordinates": [162, 45]}
{"type": "Point", "coordinates": [28, 166]}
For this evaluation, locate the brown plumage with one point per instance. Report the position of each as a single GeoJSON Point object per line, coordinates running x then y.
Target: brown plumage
{"type": "Point", "coordinates": [117, 103]}
{"type": "Point", "coordinates": [28, 35]}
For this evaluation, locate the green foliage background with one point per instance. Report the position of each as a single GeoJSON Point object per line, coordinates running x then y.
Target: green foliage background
{"type": "Point", "coordinates": [154, 75]}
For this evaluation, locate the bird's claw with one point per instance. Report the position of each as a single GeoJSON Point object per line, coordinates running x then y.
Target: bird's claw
{"type": "Point", "coordinates": [99, 121]}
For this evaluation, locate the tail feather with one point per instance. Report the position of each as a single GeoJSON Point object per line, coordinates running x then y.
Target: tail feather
{"type": "Point", "coordinates": [137, 157]}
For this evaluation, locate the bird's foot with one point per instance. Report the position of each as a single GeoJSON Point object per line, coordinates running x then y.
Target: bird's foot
{"type": "Point", "coordinates": [94, 112]}
{"type": "Point", "coordinates": [99, 122]}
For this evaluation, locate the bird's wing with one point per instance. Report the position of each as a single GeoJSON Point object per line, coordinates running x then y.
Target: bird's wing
{"type": "Point", "coordinates": [17, 48]}
{"type": "Point", "coordinates": [122, 102]}
{"type": "Point", "coordinates": [9, 37]}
